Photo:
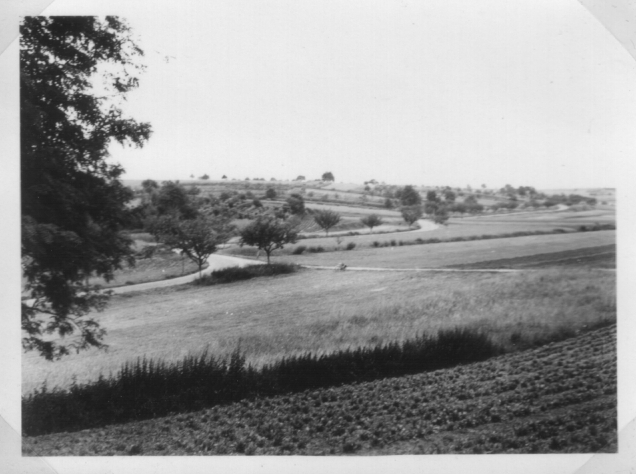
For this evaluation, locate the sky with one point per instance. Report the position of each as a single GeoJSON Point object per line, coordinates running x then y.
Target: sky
{"type": "Point", "coordinates": [407, 92]}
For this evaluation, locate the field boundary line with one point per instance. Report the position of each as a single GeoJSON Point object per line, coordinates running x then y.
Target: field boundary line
{"type": "Point", "coordinates": [449, 270]}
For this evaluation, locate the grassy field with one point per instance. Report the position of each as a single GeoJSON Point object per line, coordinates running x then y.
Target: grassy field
{"type": "Point", "coordinates": [453, 253]}
{"type": "Point", "coordinates": [162, 265]}
{"type": "Point", "coordinates": [560, 398]}
{"type": "Point", "coordinates": [322, 311]}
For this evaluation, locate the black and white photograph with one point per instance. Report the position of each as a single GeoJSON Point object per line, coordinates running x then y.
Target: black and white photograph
{"type": "Point", "coordinates": [369, 233]}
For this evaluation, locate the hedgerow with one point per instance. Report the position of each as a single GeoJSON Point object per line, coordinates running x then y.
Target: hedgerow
{"type": "Point", "coordinates": [231, 274]}
{"type": "Point", "coordinates": [150, 388]}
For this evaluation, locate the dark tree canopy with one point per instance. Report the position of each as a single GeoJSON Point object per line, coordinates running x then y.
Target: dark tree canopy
{"type": "Point", "coordinates": [269, 233]}
{"type": "Point", "coordinates": [371, 221]}
{"type": "Point", "coordinates": [296, 204]}
{"type": "Point", "coordinates": [270, 193]}
{"type": "Point", "coordinates": [327, 219]}
{"type": "Point", "coordinates": [196, 238]}
{"type": "Point", "coordinates": [328, 176]}
{"type": "Point", "coordinates": [73, 204]}
{"type": "Point", "coordinates": [411, 214]}
{"type": "Point", "coordinates": [409, 196]}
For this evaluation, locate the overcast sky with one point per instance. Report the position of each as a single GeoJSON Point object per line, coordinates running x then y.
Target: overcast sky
{"type": "Point", "coordinates": [437, 92]}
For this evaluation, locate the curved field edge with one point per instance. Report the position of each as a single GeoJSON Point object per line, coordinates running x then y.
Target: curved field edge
{"type": "Point", "coordinates": [323, 311]}
{"type": "Point", "coordinates": [559, 398]}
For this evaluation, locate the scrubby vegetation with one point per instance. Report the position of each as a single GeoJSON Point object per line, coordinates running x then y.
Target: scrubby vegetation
{"type": "Point", "coordinates": [232, 274]}
{"type": "Point", "coordinates": [149, 388]}
{"type": "Point", "coordinates": [560, 398]}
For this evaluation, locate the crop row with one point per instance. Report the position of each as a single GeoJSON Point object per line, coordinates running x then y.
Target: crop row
{"type": "Point", "coordinates": [558, 398]}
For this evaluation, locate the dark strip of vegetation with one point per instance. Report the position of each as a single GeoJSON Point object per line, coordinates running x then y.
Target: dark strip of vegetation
{"type": "Point", "coordinates": [434, 240]}
{"type": "Point", "coordinates": [150, 388]}
{"type": "Point", "coordinates": [229, 275]}
{"type": "Point", "coordinates": [603, 256]}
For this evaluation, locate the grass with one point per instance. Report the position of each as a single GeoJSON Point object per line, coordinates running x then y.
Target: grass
{"type": "Point", "coordinates": [326, 311]}
{"type": "Point", "coordinates": [468, 227]}
{"type": "Point", "coordinates": [557, 398]}
{"type": "Point", "coordinates": [151, 388]}
{"type": "Point", "coordinates": [162, 265]}
{"type": "Point", "coordinates": [453, 253]}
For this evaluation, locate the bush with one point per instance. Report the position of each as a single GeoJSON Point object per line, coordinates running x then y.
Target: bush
{"type": "Point", "coordinates": [351, 246]}
{"type": "Point", "coordinates": [232, 274]}
{"type": "Point", "coordinates": [316, 249]}
{"type": "Point", "coordinates": [376, 243]}
{"type": "Point", "coordinates": [152, 388]}
{"type": "Point", "coordinates": [299, 250]}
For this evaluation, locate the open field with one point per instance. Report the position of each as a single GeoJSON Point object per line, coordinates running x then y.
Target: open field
{"type": "Point", "coordinates": [322, 311]}
{"type": "Point", "coordinates": [458, 228]}
{"type": "Point", "coordinates": [560, 398]}
{"type": "Point", "coordinates": [451, 253]}
{"type": "Point", "coordinates": [162, 265]}
{"type": "Point", "coordinates": [594, 257]}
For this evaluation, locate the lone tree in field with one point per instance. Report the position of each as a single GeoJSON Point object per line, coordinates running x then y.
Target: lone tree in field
{"type": "Point", "coordinates": [328, 176]}
{"type": "Point", "coordinates": [196, 238]}
{"type": "Point", "coordinates": [73, 204]}
{"type": "Point", "coordinates": [327, 219]}
{"type": "Point", "coordinates": [411, 214]}
{"type": "Point", "coordinates": [371, 221]}
{"type": "Point", "coordinates": [270, 193]}
{"type": "Point", "coordinates": [296, 204]}
{"type": "Point", "coordinates": [269, 233]}
{"type": "Point", "coordinates": [409, 196]}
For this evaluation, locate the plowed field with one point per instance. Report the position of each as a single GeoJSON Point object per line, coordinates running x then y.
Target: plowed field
{"type": "Point", "coordinates": [560, 398]}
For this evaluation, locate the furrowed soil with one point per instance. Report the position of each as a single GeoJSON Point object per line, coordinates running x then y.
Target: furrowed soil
{"type": "Point", "coordinates": [591, 257]}
{"type": "Point", "coordinates": [559, 398]}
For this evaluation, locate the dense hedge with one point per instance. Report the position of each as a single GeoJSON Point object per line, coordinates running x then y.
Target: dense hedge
{"type": "Point", "coordinates": [231, 274]}
{"type": "Point", "coordinates": [150, 388]}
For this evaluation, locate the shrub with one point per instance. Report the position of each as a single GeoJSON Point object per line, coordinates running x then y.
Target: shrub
{"type": "Point", "coordinates": [316, 249]}
{"type": "Point", "coordinates": [376, 243]}
{"type": "Point", "coordinates": [351, 246]}
{"type": "Point", "coordinates": [229, 275]}
{"type": "Point", "coordinates": [151, 388]}
{"type": "Point", "coordinates": [299, 250]}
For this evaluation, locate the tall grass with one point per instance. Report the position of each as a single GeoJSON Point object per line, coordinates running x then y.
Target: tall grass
{"type": "Point", "coordinates": [151, 388]}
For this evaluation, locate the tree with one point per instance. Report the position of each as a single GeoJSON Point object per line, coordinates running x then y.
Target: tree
{"type": "Point", "coordinates": [149, 186]}
{"type": "Point", "coordinates": [73, 204]}
{"type": "Point", "coordinates": [196, 238]}
{"type": "Point", "coordinates": [327, 219]}
{"type": "Point", "coordinates": [411, 214]}
{"type": "Point", "coordinates": [449, 195]}
{"type": "Point", "coordinates": [296, 204]}
{"type": "Point", "coordinates": [371, 221]}
{"type": "Point", "coordinates": [300, 178]}
{"type": "Point", "coordinates": [270, 193]}
{"type": "Point", "coordinates": [409, 196]}
{"type": "Point", "coordinates": [224, 177]}
{"type": "Point", "coordinates": [269, 233]}
{"type": "Point", "coordinates": [172, 198]}
{"type": "Point", "coordinates": [328, 176]}
{"type": "Point", "coordinates": [204, 177]}
{"type": "Point", "coordinates": [431, 196]}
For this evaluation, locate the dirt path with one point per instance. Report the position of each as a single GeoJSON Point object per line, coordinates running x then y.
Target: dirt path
{"type": "Point", "coordinates": [215, 262]}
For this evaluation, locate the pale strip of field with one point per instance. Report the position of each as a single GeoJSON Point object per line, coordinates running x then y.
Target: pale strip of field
{"type": "Point", "coordinates": [454, 229]}
{"type": "Point", "coordinates": [353, 210]}
{"type": "Point", "coordinates": [453, 253]}
{"type": "Point", "coordinates": [322, 311]}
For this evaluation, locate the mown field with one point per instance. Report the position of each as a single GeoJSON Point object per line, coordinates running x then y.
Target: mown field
{"type": "Point", "coordinates": [452, 253]}
{"type": "Point", "coordinates": [323, 311]}
{"type": "Point", "coordinates": [559, 398]}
